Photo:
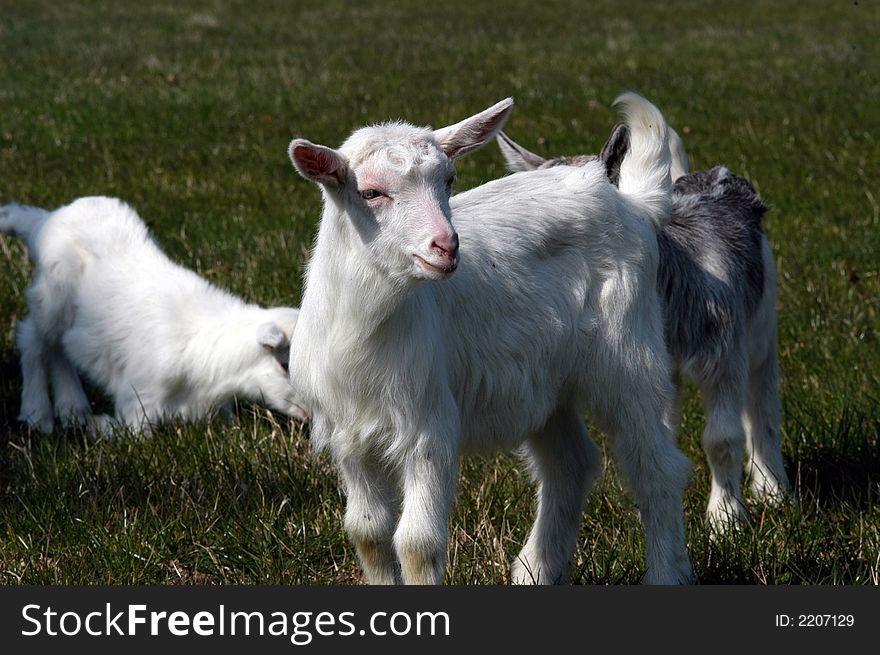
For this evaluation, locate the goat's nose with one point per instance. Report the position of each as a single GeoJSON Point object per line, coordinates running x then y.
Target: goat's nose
{"type": "Point", "coordinates": [446, 246]}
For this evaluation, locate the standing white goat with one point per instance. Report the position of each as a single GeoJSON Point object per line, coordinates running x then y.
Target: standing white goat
{"type": "Point", "coordinates": [164, 342]}
{"type": "Point", "coordinates": [405, 366]}
{"type": "Point", "coordinates": [717, 279]}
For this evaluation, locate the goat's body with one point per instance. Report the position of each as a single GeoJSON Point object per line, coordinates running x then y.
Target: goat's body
{"type": "Point", "coordinates": [486, 314]}
{"type": "Point", "coordinates": [553, 307]}
{"type": "Point", "coordinates": [711, 272]}
{"type": "Point", "coordinates": [717, 280]}
{"type": "Point", "coordinates": [160, 339]}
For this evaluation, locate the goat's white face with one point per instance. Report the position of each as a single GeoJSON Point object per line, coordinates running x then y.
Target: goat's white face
{"type": "Point", "coordinates": [400, 205]}
{"type": "Point", "coordinates": [393, 182]}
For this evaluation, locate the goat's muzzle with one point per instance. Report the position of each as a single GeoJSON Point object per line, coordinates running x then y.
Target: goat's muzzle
{"type": "Point", "coordinates": [445, 253]}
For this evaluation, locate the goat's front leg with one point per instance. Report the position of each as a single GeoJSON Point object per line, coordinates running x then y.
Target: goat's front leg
{"type": "Point", "coordinates": [428, 475]}
{"type": "Point", "coordinates": [370, 516]}
{"type": "Point", "coordinates": [71, 405]}
{"type": "Point", "coordinates": [631, 408]}
{"type": "Point", "coordinates": [135, 412]}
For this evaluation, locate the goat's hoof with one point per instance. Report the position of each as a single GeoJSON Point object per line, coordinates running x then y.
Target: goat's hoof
{"type": "Point", "coordinates": [725, 514]}
{"type": "Point", "coordinates": [772, 494]}
{"type": "Point", "coordinates": [73, 419]}
{"type": "Point", "coordinates": [101, 425]}
{"type": "Point", "coordinates": [42, 424]}
{"type": "Point", "coordinates": [678, 576]}
{"type": "Point", "coordinates": [522, 572]}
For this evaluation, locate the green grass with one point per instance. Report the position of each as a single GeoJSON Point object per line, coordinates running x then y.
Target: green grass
{"type": "Point", "coordinates": [185, 110]}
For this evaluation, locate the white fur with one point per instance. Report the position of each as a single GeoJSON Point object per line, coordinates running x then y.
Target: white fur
{"type": "Point", "coordinates": [645, 170]}
{"type": "Point", "coordinates": [736, 366]}
{"type": "Point", "coordinates": [680, 165]}
{"type": "Point", "coordinates": [157, 337]}
{"type": "Point", "coordinates": [406, 366]}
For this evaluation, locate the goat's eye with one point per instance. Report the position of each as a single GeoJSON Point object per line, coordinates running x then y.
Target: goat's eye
{"type": "Point", "coordinates": [450, 182]}
{"type": "Point", "coordinates": [371, 194]}
{"type": "Point", "coordinates": [285, 366]}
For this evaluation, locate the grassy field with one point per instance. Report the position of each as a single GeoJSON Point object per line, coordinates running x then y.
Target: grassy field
{"type": "Point", "coordinates": [185, 110]}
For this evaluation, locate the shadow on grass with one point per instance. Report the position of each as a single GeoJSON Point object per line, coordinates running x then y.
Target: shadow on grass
{"type": "Point", "coordinates": [10, 391]}
{"type": "Point", "coordinates": [838, 462]}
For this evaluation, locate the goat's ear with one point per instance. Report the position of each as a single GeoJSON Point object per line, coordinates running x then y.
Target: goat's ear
{"type": "Point", "coordinates": [471, 133]}
{"type": "Point", "coordinates": [614, 151]}
{"type": "Point", "coordinates": [318, 163]}
{"type": "Point", "coordinates": [272, 336]}
{"type": "Point", "coordinates": [680, 165]}
{"type": "Point", "coordinates": [518, 158]}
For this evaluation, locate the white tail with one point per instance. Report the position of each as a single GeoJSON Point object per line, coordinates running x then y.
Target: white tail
{"type": "Point", "coordinates": [644, 173]}
{"type": "Point", "coordinates": [23, 222]}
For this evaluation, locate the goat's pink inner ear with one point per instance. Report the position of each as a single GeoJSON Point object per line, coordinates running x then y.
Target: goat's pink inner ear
{"type": "Point", "coordinates": [316, 162]}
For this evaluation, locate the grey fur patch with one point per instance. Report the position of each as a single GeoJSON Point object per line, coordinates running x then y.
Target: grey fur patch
{"type": "Point", "coordinates": [711, 272]}
{"type": "Point", "coordinates": [612, 154]}
{"type": "Point", "coordinates": [614, 151]}
{"type": "Point", "coordinates": [575, 160]}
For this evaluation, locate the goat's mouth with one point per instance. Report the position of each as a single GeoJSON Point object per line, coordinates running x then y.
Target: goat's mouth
{"type": "Point", "coordinates": [301, 412]}
{"type": "Point", "coordinates": [440, 268]}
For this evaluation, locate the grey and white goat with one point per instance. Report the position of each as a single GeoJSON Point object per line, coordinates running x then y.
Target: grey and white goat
{"type": "Point", "coordinates": [717, 279]}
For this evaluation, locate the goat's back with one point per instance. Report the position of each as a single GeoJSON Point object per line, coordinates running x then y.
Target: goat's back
{"type": "Point", "coordinates": [539, 253]}
{"type": "Point", "coordinates": [711, 271]}
{"type": "Point", "coordinates": [118, 258]}
{"type": "Point", "coordinates": [130, 305]}
{"type": "Point", "coordinates": [94, 228]}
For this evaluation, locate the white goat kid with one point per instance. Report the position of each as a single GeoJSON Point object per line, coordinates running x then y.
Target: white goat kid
{"type": "Point", "coordinates": [716, 277]}
{"type": "Point", "coordinates": [405, 366]}
{"type": "Point", "coordinates": [161, 340]}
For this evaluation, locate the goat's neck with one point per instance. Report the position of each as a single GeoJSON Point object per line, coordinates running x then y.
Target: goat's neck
{"type": "Point", "coordinates": [344, 286]}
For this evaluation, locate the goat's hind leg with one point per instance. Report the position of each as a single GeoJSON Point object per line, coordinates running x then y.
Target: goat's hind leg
{"type": "Point", "coordinates": [724, 445]}
{"type": "Point", "coordinates": [39, 341]}
{"type": "Point", "coordinates": [635, 397]}
{"type": "Point", "coordinates": [566, 463]}
{"type": "Point", "coordinates": [370, 516]}
{"type": "Point", "coordinates": [36, 406]}
{"type": "Point", "coordinates": [762, 414]}
{"type": "Point", "coordinates": [657, 473]}
{"type": "Point", "coordinates": [761, 419]}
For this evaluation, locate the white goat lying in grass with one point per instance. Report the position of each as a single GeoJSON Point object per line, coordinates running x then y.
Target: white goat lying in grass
{"type": "Point", "coordinates": [717, 279]}
{"type": "Point", "coordinates": [161, 340]}
{"type": "Point", "coordinates": [554, 306]}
